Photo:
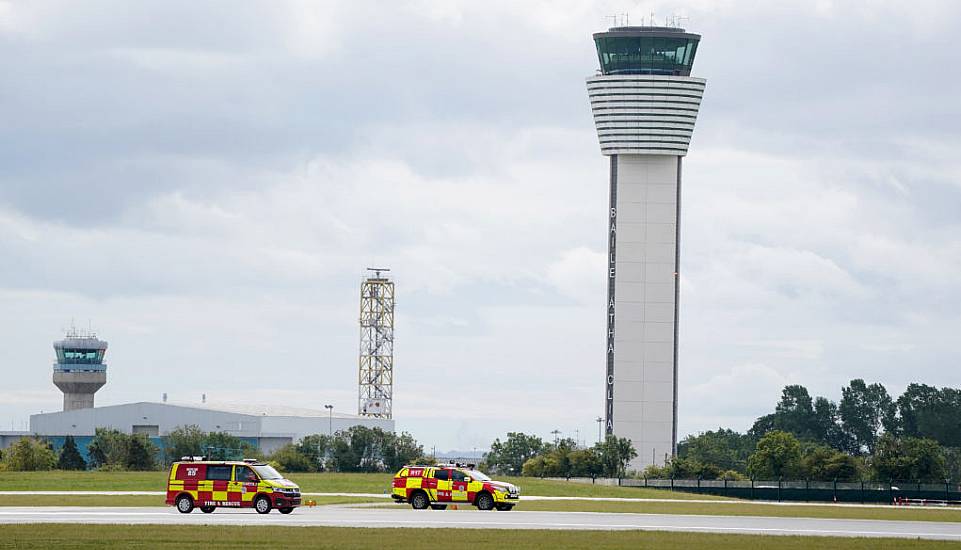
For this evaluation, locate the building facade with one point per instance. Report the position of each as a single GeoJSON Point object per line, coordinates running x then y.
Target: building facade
{"type": "Point", "coordinates": [645, 104]}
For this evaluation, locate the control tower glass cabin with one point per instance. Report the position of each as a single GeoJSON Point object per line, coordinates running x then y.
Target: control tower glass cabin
{"type": "Point", "coordinates": [645, 103]}
{"type": "Point", "coordinates": [79, 371]}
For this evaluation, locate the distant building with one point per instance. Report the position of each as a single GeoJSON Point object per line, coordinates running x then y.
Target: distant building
{"type": "Point", "coordinates": [263, 427]}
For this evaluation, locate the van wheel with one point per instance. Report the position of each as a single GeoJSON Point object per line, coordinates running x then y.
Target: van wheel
{"type": "Point", "coordinates": [484, 501]}
{"type": "Point", "coordinates": [286, 510]}
{"type": "Point", "coordinates": [505, 507]}
{"type": "Point", "coordinates": [185, 504]}
{"type": "Point", "coordinates": [419, 501]}
{"type": "Point", "coordinates": [438, 506]}
{"type": "Point", "coordinates": [262, 504]}
{"type": "Point", "coordinates": [206, 509]}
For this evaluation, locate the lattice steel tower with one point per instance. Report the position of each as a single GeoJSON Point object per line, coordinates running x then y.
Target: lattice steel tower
{"type": "Point", "coordinates": [376, 345]}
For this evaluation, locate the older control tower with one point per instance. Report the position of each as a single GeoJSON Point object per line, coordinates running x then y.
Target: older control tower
{"type": "Point", "coordinates": [645, 104]}
{"type": "Point", "coordinates": [79, 371]}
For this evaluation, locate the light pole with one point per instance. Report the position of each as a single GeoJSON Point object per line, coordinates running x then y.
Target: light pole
{"type": "Point", "coordinates": [330, 420]}
{"type": "Point", "coordinates": [556, 433]}
{"type": "Point", "coordinates": [599, 420]}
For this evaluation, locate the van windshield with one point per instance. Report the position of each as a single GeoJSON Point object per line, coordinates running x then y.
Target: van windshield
{"type": "Point", "coordinates": [267, 472]}
{"type": "Point", "coordinates": [477, 476]}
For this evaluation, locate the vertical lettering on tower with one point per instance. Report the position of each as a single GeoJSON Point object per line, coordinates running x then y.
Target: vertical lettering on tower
{"type": "Point", "coordinates": [611, 313]}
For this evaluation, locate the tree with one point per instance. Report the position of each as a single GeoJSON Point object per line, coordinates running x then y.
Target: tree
{"type": "Point", "coordinates": [828, 428]}
{"type": "Point", "coordinates": [926, 411]}
{"type": "Point", "coordinates": [141, 453]}
{"type": "Point", "coordinates": [822, 463]}
{"type": "Point", "coordinates": [863, 410]}
{"type": "Point", "coordinates": [399, 450]}
{"type": "Point", "coordinates": [316, 448]}
{"type": "Point", "coordinates": [795, 413]}
{"type": "Point", "coordinates": [534, 467]}
{"type": "Point", "coordinates": [509, 457]}
{"type": "Point", "coordinates": [225, 446]}
{"type": "Point", "coordinates": [359, 449]}
{"type": "Point", "coordinates": [289, 458]}
{"type": "Point", "coordinates": [184, 441]}
{"type": "Point", "coordinates": [778, 455]}
{"type": "Point", "coordinates": [614, 454]}
{"type": "Point", "coordinates": [108, 448]}
{"type": "Point", "coordinates": [723, 448]}
{"type": "Point", "coordinates": [70, 458]}
{"type": "Point", "coordinates": [909, 459]}
{"type": "Point", "coordinates": [584, 463]}
{"type": "Point", "coordinates": [30, 454]}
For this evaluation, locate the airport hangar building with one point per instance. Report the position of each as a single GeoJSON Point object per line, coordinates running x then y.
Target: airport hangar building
{"type": "Point", "coordinates": [266, 428]}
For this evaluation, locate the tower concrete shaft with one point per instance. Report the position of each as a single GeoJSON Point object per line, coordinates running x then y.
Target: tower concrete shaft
{"type": "Point", "coordinates": [645, 104]}
{"type": "Point", "coordinates": [79, 388]}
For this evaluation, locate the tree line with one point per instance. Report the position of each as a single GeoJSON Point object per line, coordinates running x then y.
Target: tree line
{"type": "Point", "coordinates": [529, 455]}
{"type": "Point", "coordinates": [867, 435]}
{"type": "Point", "coordinates": [356, 449]}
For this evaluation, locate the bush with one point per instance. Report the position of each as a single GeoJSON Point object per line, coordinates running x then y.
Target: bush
{"type": "Point", "coordinates": [114, 450]}
{"type": "Point", "coordinates": [289, 459]}
{"type": "Point", "coordinates": [30, 454]}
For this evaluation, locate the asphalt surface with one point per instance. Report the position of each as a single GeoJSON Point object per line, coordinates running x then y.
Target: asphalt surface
{"type": "Point", "coordinates": [344, 516]}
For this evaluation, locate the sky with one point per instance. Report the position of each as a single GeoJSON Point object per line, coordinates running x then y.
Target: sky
{"type": "Point", "coordinates": [204, 184]}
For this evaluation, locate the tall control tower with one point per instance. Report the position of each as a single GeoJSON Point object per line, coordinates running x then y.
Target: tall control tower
{"type": "Point", "coordinates": [645, 104]}
{"type": "Point", "coordinates": [79, 371]}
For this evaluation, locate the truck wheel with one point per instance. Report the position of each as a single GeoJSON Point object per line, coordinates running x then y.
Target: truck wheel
{"type": "Point", "coordinates": [484, 501]}
{"type": "Point", "coordinates": [438, 506]}
{"type": "Point", "coordinates": [206, 509]}
{"type": "Point", "coordinates": [286, 510]}
{"type": "Point", "coordinates": [262, 504]}
{"type": "Point", "coordinates": [419, 501]}
{"type": "Point", "coordinates": [505, 507]}
{"type": "Point", "coordinates": [185, 504]}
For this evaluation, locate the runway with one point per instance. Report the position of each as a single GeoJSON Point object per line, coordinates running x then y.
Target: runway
{"type": "Point", "coordinates": [345, 516]}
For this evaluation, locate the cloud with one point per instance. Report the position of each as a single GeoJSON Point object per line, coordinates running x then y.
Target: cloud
{"type": "Point", "coordinates": [207, 183]}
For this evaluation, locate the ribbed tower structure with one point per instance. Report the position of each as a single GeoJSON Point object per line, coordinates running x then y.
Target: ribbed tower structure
{"type": "Point", "coordinates": [79, 371]}
{"type": "Point", "coordinates": [645, 104]}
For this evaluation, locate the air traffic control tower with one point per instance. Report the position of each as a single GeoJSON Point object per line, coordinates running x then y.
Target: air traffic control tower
{"type": "Point", "coordinates": [645, 103]}
{"type": "Point", "coordinates": [79, 371]}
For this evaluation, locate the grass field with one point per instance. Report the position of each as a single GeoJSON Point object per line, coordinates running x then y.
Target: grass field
{"type": "Point", "coordinates": [169, 536]}
{"type": "Point", "coordinates": [309, 483]}
{"type": "Point", "coordinates": [748, 509]}
{"type": "Point", "coordinates": [135, 500]}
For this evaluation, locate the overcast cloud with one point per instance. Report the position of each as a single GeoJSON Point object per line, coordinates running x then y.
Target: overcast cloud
{"type": "Point", "coordinates": [206, 182]}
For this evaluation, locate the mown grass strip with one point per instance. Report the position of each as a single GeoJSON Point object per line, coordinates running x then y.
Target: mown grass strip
{"type": "Point", "coordinates": [136, 500]}
{"type": "Point", "coordinates": [342, 538]}
{"type": "Point", "coordinates": [747, 509]}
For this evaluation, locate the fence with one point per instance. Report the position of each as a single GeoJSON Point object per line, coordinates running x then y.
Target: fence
{"type": "Point", "coordinates": [808, 491]}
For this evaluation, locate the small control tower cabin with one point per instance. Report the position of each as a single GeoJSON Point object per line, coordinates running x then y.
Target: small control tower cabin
{"type": "Point", "coordinates": [79, 371]}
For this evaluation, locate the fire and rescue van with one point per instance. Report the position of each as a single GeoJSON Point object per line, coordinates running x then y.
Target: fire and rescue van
{"type": "Point", "coordinates": [209, 484]}
{"type": "Point", "coordinates": [437, 486]}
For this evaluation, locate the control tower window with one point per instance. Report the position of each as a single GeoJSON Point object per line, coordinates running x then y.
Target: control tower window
{"type": "Point", "coordinates": [81, 356]}
{"type": "Point", "coordinates": [646, 54]}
